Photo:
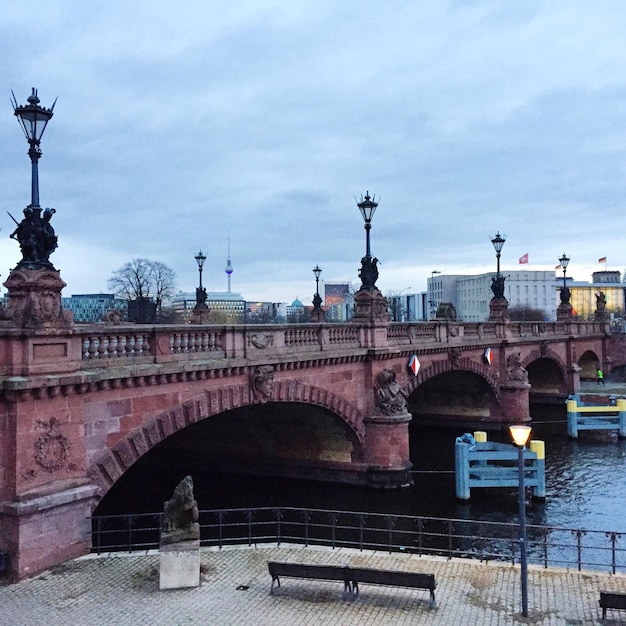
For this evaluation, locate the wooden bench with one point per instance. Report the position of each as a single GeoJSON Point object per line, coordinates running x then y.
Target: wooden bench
{"type": "Point", "coordinates": [393, 578]}
{"type": "Point", "coordinates": [612, 600]}
{"type": "Point", "coordinates": [352, 576]}
{"type": "Point", "coordinates": [303, 570]}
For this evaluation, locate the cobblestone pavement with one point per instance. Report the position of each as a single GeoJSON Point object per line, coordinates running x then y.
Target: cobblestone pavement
{"type": "Point", "coordinates": [124, 589]}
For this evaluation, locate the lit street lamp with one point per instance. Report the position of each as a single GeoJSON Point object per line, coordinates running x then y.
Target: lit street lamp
{"type": "Point", "coordinates": [520, 435]}
{"type": "Point", "coordinates": [200, 291]}
{"type": "Point", "coordinates": [369, 271]}
{"type": "Point", "coordinates": [564, 310]}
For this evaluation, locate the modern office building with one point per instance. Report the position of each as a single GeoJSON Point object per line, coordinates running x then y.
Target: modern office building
{"type": "Point", "coordinates": [91, 307]}
{"type": "Point", "coordinates": [225, 307]}
{"type": "Point", "coordinates": [533, 289]}
{"type": "Point", "coordinates": [338, 301]}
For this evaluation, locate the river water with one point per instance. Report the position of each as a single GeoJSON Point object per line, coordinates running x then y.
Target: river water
{"type": "Point", "coordinates": [585, 484]}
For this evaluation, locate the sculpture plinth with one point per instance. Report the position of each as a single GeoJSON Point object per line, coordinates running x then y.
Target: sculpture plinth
{"type": "Point", "coordinates": [499, 309]}
{"type": "Point", "coordinates": [35, 299]}
{"type": "Point", "coordinates": [200, 315]}
{"type": "Point", "coordinates": [370, 307]}
{"type": "Point", "coordinates": [564, 312]}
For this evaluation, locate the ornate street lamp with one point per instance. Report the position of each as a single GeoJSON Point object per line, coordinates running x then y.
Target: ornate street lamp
{"type": "Point", "coordinates": [33, 120]}
{"type": "Point", "coordinates": [498, 305]}
{"type": "Point", "coordinates": [564, 310]}
{"type": "Point", "coordinates": [564, 261]}
{"type": "Point", "coordinates": [520, 435]}
{"type": "Point", "coordinates": [317, 315]}
{"type": "Point", "coordinates": [34, 233]}
{"type": "Point", "coordinates": [200, 291]}
{"type": "Point", "coordinates": [369, 271]}
{"type": "Point", "coordinates": [317, 299]}
{"type": "Point", "coordinates": [498, 243]}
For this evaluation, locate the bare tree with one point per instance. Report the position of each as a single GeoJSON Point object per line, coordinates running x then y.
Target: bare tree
{"type": "Point", "coordinates": [143, 278]}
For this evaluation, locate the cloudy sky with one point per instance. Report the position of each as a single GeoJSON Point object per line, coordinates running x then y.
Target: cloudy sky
{"type": "Point", "coordinates": [179, 123]}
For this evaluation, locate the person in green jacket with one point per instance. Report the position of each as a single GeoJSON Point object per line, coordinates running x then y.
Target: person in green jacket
{"type": "Point", "coordinates": [600, 376]}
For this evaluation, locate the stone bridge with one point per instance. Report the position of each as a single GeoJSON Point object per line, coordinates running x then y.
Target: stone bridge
{"type": "Point", "coordinates": [80, 405]}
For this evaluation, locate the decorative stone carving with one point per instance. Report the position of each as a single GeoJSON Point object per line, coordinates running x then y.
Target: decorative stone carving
{"type": "Point", "coordinates": [601, 314]}
{"type": "Point", "coordinates": [113, 316]}
{"type": "Point", "coordinates": [261, 341]}
{"type": "Point", "coordinates": [51, 448]}
{"type": "Point", "coordinates": [35, 299]}
{"type": "Point", "coordinates": [262, 383]}
{"type": "Point", "coordinates": [446, 311]}
{"type": "Point", "coordinates": [455, 356]}
{"type": "Point", "coordinates": [390, 398]}
{"type": "Point", "coordinates": [514, 370]}
{"type": "Point", "coordinates": [181, 515]}
{"type": "Point", "coordinates": [370, 307]}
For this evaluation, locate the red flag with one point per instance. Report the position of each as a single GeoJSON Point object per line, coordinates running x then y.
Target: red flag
{"type": "Point", "coordinates": [523, 259]}
{"type": "Point", "coordinates": [602, 260]}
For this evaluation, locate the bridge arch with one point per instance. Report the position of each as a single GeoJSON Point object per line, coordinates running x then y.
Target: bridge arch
{"type": "Point", "coordinates": [110, 464]}
{"type": "Point", "coordinates": [589, 363]}
{"type": "Point", "coordinates": [445, 394]}
{"type": "Point", "coordinates": [442, 367]}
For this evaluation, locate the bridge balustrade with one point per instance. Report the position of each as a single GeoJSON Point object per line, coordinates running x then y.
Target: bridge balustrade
{"type": "Point", "coordinates": [235, 340]}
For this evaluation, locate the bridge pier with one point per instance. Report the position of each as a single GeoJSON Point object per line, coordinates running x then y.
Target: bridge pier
{"type": "Point", "coordinates": [47, 528]}
{"type": "Point", "coordinates": [387, 451]}
{"type": "Point", "coordinates": [516, 398]}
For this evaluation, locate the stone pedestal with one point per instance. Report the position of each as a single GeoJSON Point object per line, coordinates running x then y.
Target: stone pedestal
{"type": "Point", "coordinates": [179, 565]}
{"type": "Point", "coordinates": [498, 309]}
{"type": "Point", "coordinates": [564, 312]}
{"type": "Point", "coordinates": [387, 451]}
{"type": "Point", "coordinates": [370, 307]}
{"type": "Point", "coordinates": [318, 316]}
{"type": "Point", "coordinates": [35, 300]}
{"type": "Point", "coordinates": [515, 397]}
{"type": "Point", "coordinates": [201, 315]}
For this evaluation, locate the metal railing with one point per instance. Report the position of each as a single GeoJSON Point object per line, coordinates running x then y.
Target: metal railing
{"type": "Point", "coordinates": [548, 546]}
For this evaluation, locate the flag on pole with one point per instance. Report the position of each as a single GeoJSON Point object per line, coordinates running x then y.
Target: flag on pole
{"type": "Point", "coordinates": [523, 259]}
{"type": "Point", "coordinates": [557, 267]}
{"type": "Point", "coordinates": [602, 260]}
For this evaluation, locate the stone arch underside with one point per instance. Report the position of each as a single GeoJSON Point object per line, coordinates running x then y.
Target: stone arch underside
{"type": "Point", "coordinates": [109, 466]}
{"type": "Point", "coordinates": [547, 373]}
{"type": "Point", "coordinates": [452, 393]}
{"type": "Point", "coordinates": [589, 363]}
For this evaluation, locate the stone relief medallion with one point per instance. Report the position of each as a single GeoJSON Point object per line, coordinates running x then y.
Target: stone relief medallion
{"type": "Point", "coordinates": [262, 341]}
{"type": "Point", "coordinates": [51, 448]}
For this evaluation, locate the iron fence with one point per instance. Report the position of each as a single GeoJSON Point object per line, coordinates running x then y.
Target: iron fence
{"type": "Point", "coordinates": [547, 546]}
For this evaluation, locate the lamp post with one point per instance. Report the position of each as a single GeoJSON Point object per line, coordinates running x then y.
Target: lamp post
{"type": "Point", "coordinates": [200, 291]}
{"type": "Point", "coordinates": [369, 271]}
{"type": "Point", "coordinates": [34, 233]}
{"type": "Point", "coordinates": [564, 311]}
{"type": "Point", "coordinates": [317, 315]}
{"type": "Point", "coordinates": [317, 299]}
{"type": "Point", "coordinates": [33, 119]}
{"type": "Point", "coordinates": [498, 305]}
{"type": "Point", "coordinates": [498, 243]}
{"type": "Point", "coordinates": [520, 435]}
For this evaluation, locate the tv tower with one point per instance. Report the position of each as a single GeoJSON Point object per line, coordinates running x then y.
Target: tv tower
{"type": "Point", "coordinates": [229, 266]}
